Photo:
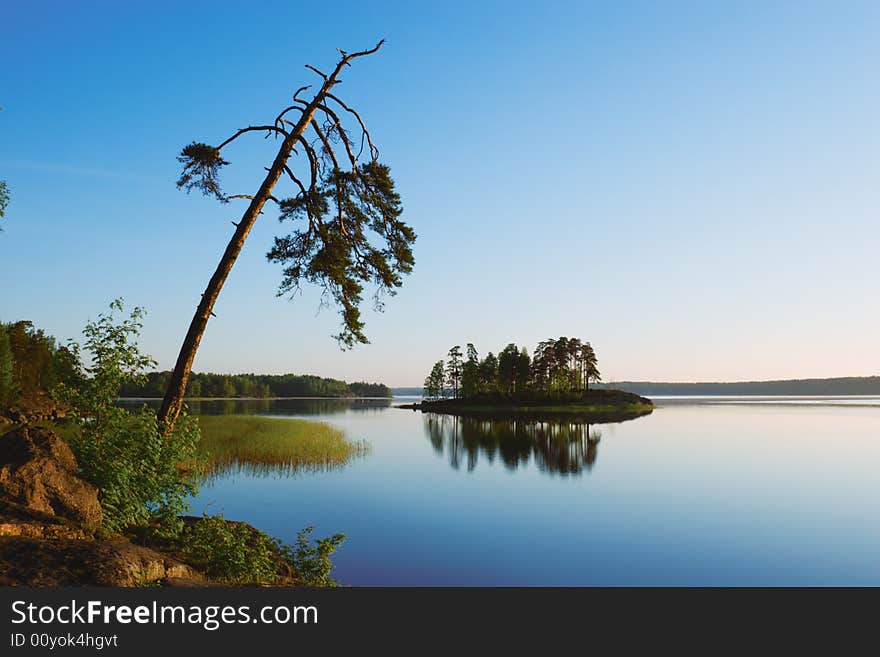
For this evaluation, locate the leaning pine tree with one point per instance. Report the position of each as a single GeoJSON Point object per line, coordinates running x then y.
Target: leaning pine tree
{"type": "Point", "coordinates": [345, 215]}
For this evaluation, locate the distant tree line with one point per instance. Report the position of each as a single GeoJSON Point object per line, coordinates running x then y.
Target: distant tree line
{"type": "Point", "coordinates": [30, 364]}
{"type": "Point", "coordinates": [257, 386]}
{"type": "Point", "coordinates": [850, 385]}
{"type": "Point", "coordinates": [560, 366]}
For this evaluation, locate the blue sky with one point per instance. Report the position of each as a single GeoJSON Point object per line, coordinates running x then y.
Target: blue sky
{"type": "Point", "coordinates": [690, 186]}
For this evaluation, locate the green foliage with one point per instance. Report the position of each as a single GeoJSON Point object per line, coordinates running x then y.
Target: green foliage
{"type": "Point", "coordinates": [258, 386]}
{"type": "Point", "coordinates": [560, 366]}
{"type": "Point", "coordinates": [235, 553]}
{"type": "Point", "coordinates": [351, 235]}
{"type": "Point", "coordinates": [507, 368]}
{"type": "Point", "coordinates": [470, 373]}
{"type": "Point", "coordinates": [364, 389]}
{"type": "Point", "coordinates": [453, 369]}
{"type": "Point", "coordinates": [36, 364]}
{"type": "Point", "coordinates": [201, 168]}
{"type": "Point", "coordinates": [522, 371]}
{"type": "Point", "coordinates": [435, 383]}
{"type": "Point", "coordinates": [7, 385]}
{"type": "Point", "coordinates": [311, 562]}
{"type": "Point", "coordinates": [4, 198]}
{"type": "Point", "coordinates": [138, 473]}
{"type": "Point", "coordinates": [488, 374]}
{"type": "Point", "coordinates": [232, 553]}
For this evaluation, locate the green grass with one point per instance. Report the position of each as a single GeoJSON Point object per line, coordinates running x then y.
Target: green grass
{"type": "Point", "coordinates": [272, 446]}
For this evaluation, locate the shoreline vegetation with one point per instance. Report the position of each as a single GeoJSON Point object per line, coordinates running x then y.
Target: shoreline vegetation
{"type": "Point", "coordinates": [212, 399]}
{"type": "Point", "coordinates": [595, 406]}
{"type": "Point", "coordinates": [264, 446]}
{"type": "Point", "coordinates": [208, 385]}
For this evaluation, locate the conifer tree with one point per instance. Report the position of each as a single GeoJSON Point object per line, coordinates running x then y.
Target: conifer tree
{"type": "Point", "coordinates": [345, 214]}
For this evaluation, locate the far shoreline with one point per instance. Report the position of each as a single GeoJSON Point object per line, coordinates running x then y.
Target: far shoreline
{"type": "Point", "coordinates": [203, 399]}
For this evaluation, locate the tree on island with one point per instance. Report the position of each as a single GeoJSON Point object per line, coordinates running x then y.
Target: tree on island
{"type": "Point", "coordinates": [435, 383]}
{"type": "Point", "coordinates": [470, 372]}
{"type": "Point", "coordinates": [488, 374]}
{"type": "Point", "coordinates": [589, 365]}
{"type": "Point", "coordinates": [561, 366]}
{"type": "Point", "coordinates": [350, 230]}
{"type": "Point", "coordinates": [453, 370]}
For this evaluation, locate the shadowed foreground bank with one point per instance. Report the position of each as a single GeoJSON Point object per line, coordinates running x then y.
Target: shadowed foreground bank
{"type": "Point", "coordinates": [52, 533]}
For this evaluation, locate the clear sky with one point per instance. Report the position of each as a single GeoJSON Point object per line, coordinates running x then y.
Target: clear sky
{"type": "Point", "coordinates": [694, 187]}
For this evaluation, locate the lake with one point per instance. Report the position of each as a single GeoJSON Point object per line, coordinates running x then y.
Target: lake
{"type": "Point", "coordinates": [709, 491]}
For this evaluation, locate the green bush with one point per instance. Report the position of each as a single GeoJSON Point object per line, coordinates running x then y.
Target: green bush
{"type": "Point", "coordinates": [312, 562]}
{"type": "Point", "coordinates": [138, 473]}
{"type": "Point", "coordinates": [235, 553]}
{"type": "Point", "coordinates": [232, 553]}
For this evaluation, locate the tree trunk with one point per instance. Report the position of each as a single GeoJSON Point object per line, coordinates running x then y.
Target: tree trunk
{"type": "Point", "coordinates": [173, 401]}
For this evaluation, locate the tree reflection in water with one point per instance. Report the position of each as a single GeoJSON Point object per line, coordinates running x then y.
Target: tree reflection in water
{"type": "Point", "coordinates": [565, 446]}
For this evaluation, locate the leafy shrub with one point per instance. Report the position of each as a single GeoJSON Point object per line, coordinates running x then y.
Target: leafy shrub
{"type": "Point", "coordinates": [235, 553]}
{"type": "Point", "coordinates": [312, 562]}
{"type": "Point", "coordinates": [138, 473]}
{"type": "Point", "coordinates": [231, 552]}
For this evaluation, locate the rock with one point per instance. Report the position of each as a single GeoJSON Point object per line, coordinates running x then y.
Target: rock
{"type": "Point", "coordinates": [36, 529]}
{"type": "Point", "coordinates": [121, 563]}
{"type": "Point", "coordinates": [48, 519]}
{"type": "Point", "coordinates": [37, 407]}
{"type": "Point", "coordinates": [38, 472]}
{"type": "Point", "coordinates": [28, 561]}
{"type": "Point", "coordinates": [186, 582]}
{"type": "Point", "coordinates": [18, 520]}
{"type": "Point", "coordinates": [16, 417]}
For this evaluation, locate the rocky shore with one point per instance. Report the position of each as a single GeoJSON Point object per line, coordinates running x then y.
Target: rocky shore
{"type": "Point", "coordinates": [50, 521]}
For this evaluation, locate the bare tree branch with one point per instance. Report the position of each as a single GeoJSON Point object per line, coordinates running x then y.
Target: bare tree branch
{"type": "Point", "coordinates": [280, 117]}
{"type": "Point", "coordinates": [251, 198]}
{"type": "Point", "coordinates": [373, 150]}
{"type": "Point", "coordinates": [323, 75]}
{"type": "Point", "coordinates": [313, 162]}
{"type": "Point", "coordinates": [340, 130]}
{"type": "Point", "coordinates": [347, 58]}
{"type": "Point", "coordinates": [269, 128]}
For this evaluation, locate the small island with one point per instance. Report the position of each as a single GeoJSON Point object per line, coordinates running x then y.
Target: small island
{"type": "Point", "coordinates": [555, 382]}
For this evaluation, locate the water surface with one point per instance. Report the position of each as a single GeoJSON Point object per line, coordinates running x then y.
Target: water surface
{"type": "Point", "coordinates": [720, 491]}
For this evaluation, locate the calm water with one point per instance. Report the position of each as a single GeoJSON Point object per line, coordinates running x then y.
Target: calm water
{"type": "Point", "coordinates": [701, 492]}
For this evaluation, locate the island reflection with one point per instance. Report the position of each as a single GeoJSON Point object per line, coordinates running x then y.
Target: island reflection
{"type": "Point", "coordinates": [563, 446]}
